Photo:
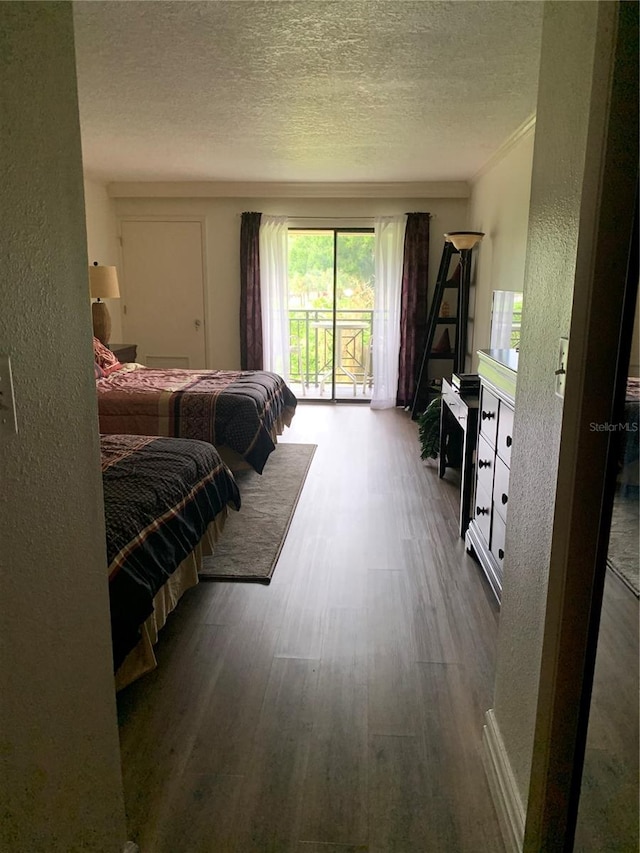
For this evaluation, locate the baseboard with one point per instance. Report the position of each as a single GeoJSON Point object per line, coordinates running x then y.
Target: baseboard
{"type": "Point", "coordinates": [502, 784]}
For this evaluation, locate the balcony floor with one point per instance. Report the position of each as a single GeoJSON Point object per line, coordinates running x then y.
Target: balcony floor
{"type": "Point", "coordinates": [343, 391]}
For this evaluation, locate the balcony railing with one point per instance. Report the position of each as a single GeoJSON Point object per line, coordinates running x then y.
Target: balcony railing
{"type": "Point", "coordinates": [311, 336]}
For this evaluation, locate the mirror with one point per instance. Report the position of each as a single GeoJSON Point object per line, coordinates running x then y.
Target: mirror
{"type": "Point", "coordinates": [506, 319]}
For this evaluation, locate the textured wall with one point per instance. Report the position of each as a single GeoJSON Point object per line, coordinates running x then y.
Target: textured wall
{"type": "Point", "coordinates": [60, 775]}
{"type": "Point", "coordinates": [568, 44]}
{"type": "Point", "coordinates": [102, 243]}
{"type": "Point", "coordinates": [499, 206]}
{"type": "Point", "coordinates": [223, 244]}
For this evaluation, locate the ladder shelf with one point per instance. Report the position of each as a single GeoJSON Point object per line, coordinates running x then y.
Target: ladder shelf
{"type": "Point", "coordinates": [444, 348]}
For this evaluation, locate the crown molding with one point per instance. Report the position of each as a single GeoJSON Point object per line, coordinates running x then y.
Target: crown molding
{"type": "Point", "coordinates": [233, 189]}
{"type": "Point", "coordinates": [526, 127]}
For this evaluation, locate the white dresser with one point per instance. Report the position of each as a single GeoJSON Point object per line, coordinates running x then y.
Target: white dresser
{"type": "Point", "coordinates": [485, 535]}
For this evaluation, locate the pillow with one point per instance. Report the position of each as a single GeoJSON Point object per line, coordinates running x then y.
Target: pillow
{"type": "Point", "coordinates": [104, 358]}
{"type": "Point", "coordinates": [98, 372]}
{"type": "Point", "coordinates": [112, 369]}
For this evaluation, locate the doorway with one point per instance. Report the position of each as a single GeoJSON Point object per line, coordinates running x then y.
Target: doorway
{"type": "Point", "coordinates": [331, 283]}
{"type": "Point", "coordinates": [608, 817]}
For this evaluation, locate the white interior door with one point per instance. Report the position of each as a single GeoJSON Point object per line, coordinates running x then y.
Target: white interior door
{"type": "Point", "coordinates": [163, 292]}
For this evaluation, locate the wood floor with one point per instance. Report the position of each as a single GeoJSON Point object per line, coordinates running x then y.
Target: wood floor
{"type": "Point", "coordinates": [340, 708]}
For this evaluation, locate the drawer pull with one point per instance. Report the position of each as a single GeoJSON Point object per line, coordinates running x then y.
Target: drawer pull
{"type": "Point", "coordinates": [509, 441]}
{"type": "Point", "coordinates": [501, 553]}
{"type": "Point", "coordinates": [504, 498]}
{"type": "Point", "coordinates": [486, 416]}
{"type": "Point", "coordinates": [481, 510]}
{"type": "Point", "coordinates": [484, 463]}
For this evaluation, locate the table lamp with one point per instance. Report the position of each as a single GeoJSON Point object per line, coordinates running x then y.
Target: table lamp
{"type": "Point", "coordinates": [103, 283]}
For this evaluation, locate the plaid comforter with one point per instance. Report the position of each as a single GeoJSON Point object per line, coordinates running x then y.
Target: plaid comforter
{"type": "Point", "coordinates": [242, 410]}
{"type": "Point", "coordinates": [160, 494]}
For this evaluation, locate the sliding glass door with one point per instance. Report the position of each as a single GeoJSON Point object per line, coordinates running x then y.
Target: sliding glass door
{"type": "Point", "coordinates": [331, 287]}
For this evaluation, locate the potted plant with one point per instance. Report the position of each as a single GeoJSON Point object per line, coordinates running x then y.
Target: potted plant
{"type": "Point", "coordinates": [429, 429]}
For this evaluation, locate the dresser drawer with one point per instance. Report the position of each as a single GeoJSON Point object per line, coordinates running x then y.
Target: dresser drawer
{"type": "Point", "coordinates": [489, 405]}
{"type": "Point", "coordinates": [485, 465]}
{"type": "Point", "coordinates": [501, 487]}
{"type": "Point", "coordinates": [505, 433]}
{"type": "Point", "coordinates": [456, 406]}
{"type": "Point", "coordinates": [482, 513]}
{"type": "Point", "coordinates": [498, 534]}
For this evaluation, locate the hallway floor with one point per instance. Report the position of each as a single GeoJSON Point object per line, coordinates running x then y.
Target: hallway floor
{"type": "Point", "coordinates": [340, 708]}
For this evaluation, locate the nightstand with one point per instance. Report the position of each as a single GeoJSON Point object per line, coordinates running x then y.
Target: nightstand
{"type": "Point", "coordinates": [124, 352]}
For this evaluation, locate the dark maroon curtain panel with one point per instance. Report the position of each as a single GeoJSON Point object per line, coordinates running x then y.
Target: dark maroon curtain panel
{"type": "Point", "coordinates": [250, 305]}
{"type": "Point", "coordinates": [413, 305]}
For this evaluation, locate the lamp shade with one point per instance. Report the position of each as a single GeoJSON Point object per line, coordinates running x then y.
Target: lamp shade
{"type": "Point", "coordinates": [103, 282]}
{"type": "Point", "coordinates": [464, 239]}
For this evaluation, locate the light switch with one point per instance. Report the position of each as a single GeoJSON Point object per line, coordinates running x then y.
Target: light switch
{"type": "Point", "coordinates": [561, 370]}
{"type": "Point", "coordinates": [8, 422]}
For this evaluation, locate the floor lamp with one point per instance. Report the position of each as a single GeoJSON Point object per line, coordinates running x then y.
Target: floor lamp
{"type": "Point", "coordinates": [103, 282]}
{"type": "Point", "coordinates": [463, 241]}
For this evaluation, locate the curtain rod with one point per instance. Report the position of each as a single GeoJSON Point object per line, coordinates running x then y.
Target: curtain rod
{"type": "Point", "coordinates": [344, 218]}
{"type": "Point", "coordinates": [341, 218]}
{"type": "Point", "coordinates": [331, 218]}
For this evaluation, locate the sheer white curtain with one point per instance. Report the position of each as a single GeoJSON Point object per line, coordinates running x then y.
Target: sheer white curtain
{"type": "Point", "coordinates": [388, 252]}
{"type": "Point", "coordinates": [274, 294]}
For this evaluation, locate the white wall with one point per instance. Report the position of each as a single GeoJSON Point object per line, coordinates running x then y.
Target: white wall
{"type": "Point", "coordinates": [499, 206]}
{"type": "Point", "coordinates": [102, 242]}
{"type": "Point", "coordinates": [222, 230]}
{"type": "Point", "coordinates": [60, 773]}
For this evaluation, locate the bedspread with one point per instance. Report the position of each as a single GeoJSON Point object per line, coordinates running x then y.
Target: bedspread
{"type": "Point", "coordinates": [160, 494]}
{"type": "Point", "coordinates": [242, 410]}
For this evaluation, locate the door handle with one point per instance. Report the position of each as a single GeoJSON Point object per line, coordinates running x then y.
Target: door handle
{"type": "Point", "coordinates": [197, 323]}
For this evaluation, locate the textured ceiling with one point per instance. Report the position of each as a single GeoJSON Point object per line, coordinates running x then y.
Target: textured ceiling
{"type": "Point", "coordinates": [302, 90]}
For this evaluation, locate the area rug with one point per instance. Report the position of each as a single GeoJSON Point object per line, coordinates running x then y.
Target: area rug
{"type": "Point", "coordinates": [624, 556]}
{"type": "Point", "coordinates": [252, 539]}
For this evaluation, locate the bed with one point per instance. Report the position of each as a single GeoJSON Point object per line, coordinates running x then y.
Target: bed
{"type": "Point", "coordinates": [165, 500]}
{"type": "Point", "coordinates": [240, 412]}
